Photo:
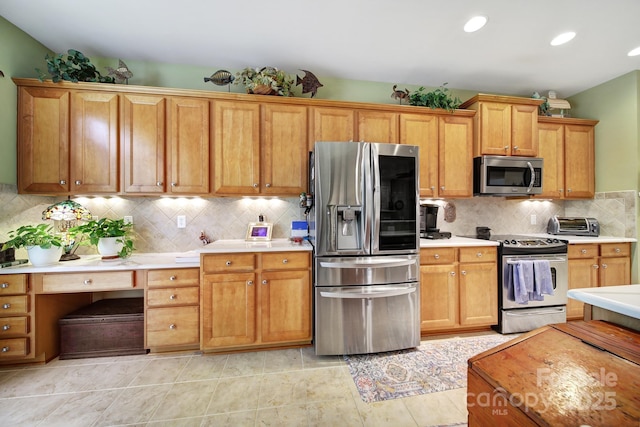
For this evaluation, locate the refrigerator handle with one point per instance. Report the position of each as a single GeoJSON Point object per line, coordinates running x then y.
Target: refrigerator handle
{"type": "Point", "coordinates": [368, 295]}
{"type": "Point", "coordinates": [373, 191]}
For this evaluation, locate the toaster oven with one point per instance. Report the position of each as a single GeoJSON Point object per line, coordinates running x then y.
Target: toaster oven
{"type": "Point", "coordinates": [573, 226]}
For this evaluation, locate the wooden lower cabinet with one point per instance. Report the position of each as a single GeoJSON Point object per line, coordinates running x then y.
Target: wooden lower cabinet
{"type": "Point", "coordinates": [263, 304]}
{"type": "Point", "coordinates": [15, 317]}
{"type": "Point", "coordinates": [458, 288]}
{"type": "Point", "coordinates": [592, 265]}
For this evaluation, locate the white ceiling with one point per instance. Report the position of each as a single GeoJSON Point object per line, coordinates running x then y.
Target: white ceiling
{"type": "Point", "coordinates": [410, 42]}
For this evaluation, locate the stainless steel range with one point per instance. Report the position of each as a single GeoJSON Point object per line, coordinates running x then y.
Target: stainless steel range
{"type": "Point", "coordinates": [533, 282]}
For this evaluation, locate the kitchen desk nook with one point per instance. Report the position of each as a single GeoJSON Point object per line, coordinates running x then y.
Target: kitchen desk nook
{"type": "Point", "coordinates": [180, 299]}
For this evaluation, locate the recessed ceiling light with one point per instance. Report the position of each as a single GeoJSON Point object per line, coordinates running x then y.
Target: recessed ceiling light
{"type": "Point", "coordinates": [563, 38]}
{"type": "Point", "coordinates": [634, 52]}
{"type": "Point", "coordinates": [475, 23]}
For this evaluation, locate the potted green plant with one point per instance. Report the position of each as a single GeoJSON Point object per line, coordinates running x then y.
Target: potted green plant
{"type": "Point", "coordinates": [75, 67]}
{"type": "Point", "coordinates": [437, 98]}
{"type": "Point", "coordinates": [43, 246]}
{"type": "Point", "coordinates": [265, 81]}
{"type": "Point", "coordinates": [112, 237]}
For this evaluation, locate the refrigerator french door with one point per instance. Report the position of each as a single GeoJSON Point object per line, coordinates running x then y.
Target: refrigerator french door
{"type": "Point", "coordinates": [366, 236]}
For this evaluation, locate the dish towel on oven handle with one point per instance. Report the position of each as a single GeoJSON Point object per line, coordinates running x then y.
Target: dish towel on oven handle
{"type": "Point", "coordinates": [523, 281]}
{"type": "Point", "coordinates": [543, 281]}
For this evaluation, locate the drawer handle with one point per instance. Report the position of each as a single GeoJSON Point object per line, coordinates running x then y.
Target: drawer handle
{"type": "Point", "coordinates": [264, 282]}
{"type": "Point", "coordinates": [479, 254]}
{"type": "Point", "coordinates": [6, 327]}
{"type": "Point", "coordinates": [172, 326]}
{"type": "Point", "coordinates": [436, 256]}
{"type": "Point", "coordinates": [228, 263]}
{"type": "Point", "coordinates": [617, 250]}
{"type": "Point", "coordinates": [172, 296]}
{"type": "Point", "coordinates": [249, 282]}
{"type": "Point", "coordinates": [284, 261]}
{"type": "Point", "coordinates": [172, 278]}
{"type": "Point", "coordinates": [7, 305]}
{"type": "Point", "coordinates": [5, 285]}
{"type": "Point", "coordinates": [584, 251]}
{"type": "Point", "coordinates": [87, 281]}
{"type": "Point", "coordinates": [604, 265]}
{"type": "Point", "coordinates": [5, 349]}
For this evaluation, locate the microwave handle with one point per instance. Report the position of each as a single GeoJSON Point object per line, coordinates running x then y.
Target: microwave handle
{"type": "Point", "coordinates": [533, 177]}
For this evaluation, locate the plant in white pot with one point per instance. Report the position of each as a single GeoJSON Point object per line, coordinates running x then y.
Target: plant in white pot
{"type": "Point", "coordinates": [44, 247]}
{"type": "Point", "coordinates": [112, 237]}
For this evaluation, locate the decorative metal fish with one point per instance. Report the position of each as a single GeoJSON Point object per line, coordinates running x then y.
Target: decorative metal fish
{"type": "Point", "coordinates": [221, 78]}
{"type": "Point", "coordinates": [122, 74]}
{"type": "Point", "coordinates": [400, 95]}
{"type": "Point", "coordinates": [310, 83]}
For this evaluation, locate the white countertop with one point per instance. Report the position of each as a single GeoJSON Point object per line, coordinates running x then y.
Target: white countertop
{"type": "Point", "coordinates": [239, 245]}
{"type": "Point", "coordinates": [623, 299]}
{"type": "Point", "coordinates": [455, 241]}
{"type": "Point", "coordinates": [586, 239]}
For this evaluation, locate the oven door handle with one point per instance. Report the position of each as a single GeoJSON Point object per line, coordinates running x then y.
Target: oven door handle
{"type": "Point", "coordinates": [533, 177]}
{"type": "Point", "coordinates": [366, 295]}
{"type": "Point", "coordinates": [368, 264]}
{"type": "Point", "coordinates": [538, 312]}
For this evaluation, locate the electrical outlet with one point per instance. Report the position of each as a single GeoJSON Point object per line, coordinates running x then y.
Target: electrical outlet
{"type": "Point", "coordinates": [533, 220]}
{"type": "Point", "coordinates": [182, 221]}
{"type": "Point", "coordinates": [128, 219]}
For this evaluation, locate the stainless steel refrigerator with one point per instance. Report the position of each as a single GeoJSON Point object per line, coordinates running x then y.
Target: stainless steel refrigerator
{"type": "Point", "coordinates": [365, 231]}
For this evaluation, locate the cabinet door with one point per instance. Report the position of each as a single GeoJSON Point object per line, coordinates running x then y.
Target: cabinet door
{"type": "Point", "coordinates": [143, 134]}
{"type": "Point", "coordinates": [551, 149]}
{"type": "Point", "coordinates": [377, 126]}
{"type": "Point", "coordinates": [422, 131]}
{"type": "Point", "coordinates": [495, 128]}
{"type": "Point", "coordinates": [438, 297]}
{"type": "Point", "coordinates": [580, 162]}
{"type": "Point", "coordinates": [188, 146]}
{"type": "Point", "coordinates": [615, 271]}
{"type": "Point", "coordinates": [332, 124]}
{"type": "Point", "coordinates": [228, 310]}
{"type": "Point", "coordinates": [236, 143]}
{"type": "Point", "coordinates": [478, 294]}
{"type": "Point", "coordinates": [285, 300]}
{"type": "Point", "coordinates": [285, 153]}
{"type": "Point", "coordinates": [455, 162]}
{"type": "Point", "coordinates": [524, 130]}
{"type": "Point", "coordinates": [583, 273]}
{"type": "Point", "coordinates": [94, 143]}
{"type": "Point", "coordinates": [43, 140]}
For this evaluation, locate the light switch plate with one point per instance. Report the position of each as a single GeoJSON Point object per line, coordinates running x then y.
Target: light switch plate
{"type": "Point", "coordinates": [181, 221]}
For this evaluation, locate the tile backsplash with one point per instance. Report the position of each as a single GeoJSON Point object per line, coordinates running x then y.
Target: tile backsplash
{"type": "Point", "coordinates": [154, 218]}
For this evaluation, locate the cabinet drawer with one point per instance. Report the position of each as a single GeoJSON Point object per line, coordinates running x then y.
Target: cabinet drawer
{"type": "Point", "coordinates": [228, 262]}
{"type": "Point", "coordinates": [437, 255]}
{"type": "Point", "coordinates": [582, 251]}
{"type": "Point", "coordinates": [172, 326]}
{"type": "Point", "coordinates": [14, 326]}
{"type": "Point", "coordinates": [16, 304]}
{"type": "Point", "coordinates": [173, 277]}
{"type": "Point", "coordinates": [479, 254]}
{"type": "Point", "coordinates": [14, 347]}
{"type": "Point", "coordinates": [87, 282]}
{"type": "Point", "coordinates": [285, 260]}
{"type": "Point", "coordinates": [615, 249]}
{"type": "Point", "coordinates": [13, 284]}
{"type": "Point", "coordinates": [172, 296]}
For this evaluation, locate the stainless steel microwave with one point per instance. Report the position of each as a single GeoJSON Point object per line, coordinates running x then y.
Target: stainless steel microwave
{"type": "Point", "coordinates": [507, 176]}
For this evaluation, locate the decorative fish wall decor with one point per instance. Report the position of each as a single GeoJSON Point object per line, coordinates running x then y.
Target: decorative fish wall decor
{"type": "Point", "coordinates": [400, 95]}
{"type": "Point", "coordinates": [309, 82]}
{"type": "Point", "coordinates": [221, 78]}
{"type": "Point", "coordinates": [122, 74]}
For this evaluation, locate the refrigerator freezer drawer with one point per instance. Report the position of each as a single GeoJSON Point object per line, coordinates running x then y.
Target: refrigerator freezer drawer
{"type": "Point", "coordinates": [367, 319]}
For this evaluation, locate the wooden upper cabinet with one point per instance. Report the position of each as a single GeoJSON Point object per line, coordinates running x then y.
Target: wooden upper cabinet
{"type": "Point", "coordinates": [143, 135]}
{"type": "Point", "coordinates": [551, 149]}
{"type": "Point", "coordinates": [377, 126]}
{"type": "Point", "coordinates": [579, 152]}
{"type": "Point", "coordinates": [455, 164]}
{"type": "Point", "coordinates": [285, 155]}
{"type": "Point", "coordinates": [422, 130]}
{"type": "Point", "coordinates": [236, 147]}
{"type": "Point", "coordinates": [332, 124]}
{"type": "Point", "coordinates": [43, 140]}
{"type": "Point", "coordinates": [505, 125]}
{"type": "Point", "coordinates": [94, 143]}
{"type": "Point", "coordinates": [188, 163]}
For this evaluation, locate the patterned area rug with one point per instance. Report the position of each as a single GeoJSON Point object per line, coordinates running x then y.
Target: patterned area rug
{"type": "Point", "coordinates": [433, 366]}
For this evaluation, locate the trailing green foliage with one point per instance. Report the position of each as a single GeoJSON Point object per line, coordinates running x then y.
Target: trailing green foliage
{"type": "Point", "coordinates": [75, 68]}
{"type": "Point", "coordinates": [105, 227]}
{"type": "Point", "coordinates": [271, 77]}
{"type": "Point", "coordinates": [33, 235]}
{"type": "Point", "coordinates": [437, 98]}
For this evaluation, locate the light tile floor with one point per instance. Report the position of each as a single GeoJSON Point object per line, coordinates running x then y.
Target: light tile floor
{"type": "Point", "coordinates": [291, 387]}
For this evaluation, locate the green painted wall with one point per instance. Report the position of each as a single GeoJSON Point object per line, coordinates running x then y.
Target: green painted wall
{"type": "Point", "coordinates": [19, 56]}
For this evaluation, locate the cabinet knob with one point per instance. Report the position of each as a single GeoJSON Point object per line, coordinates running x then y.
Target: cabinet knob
{"type": "Point", "coordinates": [506, 148]}
{"type": "Point", "coordinates": [77, 182]}
{"type": "Point", "coordinates": [87, 281]}
{"type": "Point", "coordinates": [159, 184]}
{"type": "Point", "coordinates": [264, 282]}
{"type": "Point", "coordinates": [617, 250]}
{"type": "Point", "coordinates": [479, 254]}
{"type": "Point", "coordinates": [583, 251]}
{"type": "Point", "coordinates": [172, 326]}
{"type": "Point", "coordinates": [6, 327]}
{"type": "Point", "coordinates": [515, 148]}
{"type": "Point", "coordinates": [63, 182]}
{"type": "Point", "coordinates": [569, 190]}
{"type": "Point", "coordinates": [5, 349]}
{"type": "Point", "coordinates": [436, 256]}
{"type": "Point", "coordinates": [7, 305]}
{"type": "Point", "coordinates": [463, 272]}
{"type": "Point", "coordinates": [442, 188]}
{"type": "Point", "coordinates": [228, 263]}
{"type": "Point", "coordinates": [432, 188]}
{"type": "Point", "coordinates": [604, 265]}
{"type": "Point", "coordinates": [172, 296]}
{"type": "Point", "coordinates": [172, 278]}
{"type": "Point", "coordinates": [249, 282]}
{"type": "Point", "coordinates": [173, 184]}
{"type": "Point", "coordinates": [453, 273]}
{"type": "Point", "coordinates": [595, 266]}
{"type": "Point", "coordinates": [284, 261]}
{"type": "Point", "coordinates": [268, 185]}
{"type": "Point", "coordinates": [5, 285]}
{"type": "Point", "coordinates": [255, 185]}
